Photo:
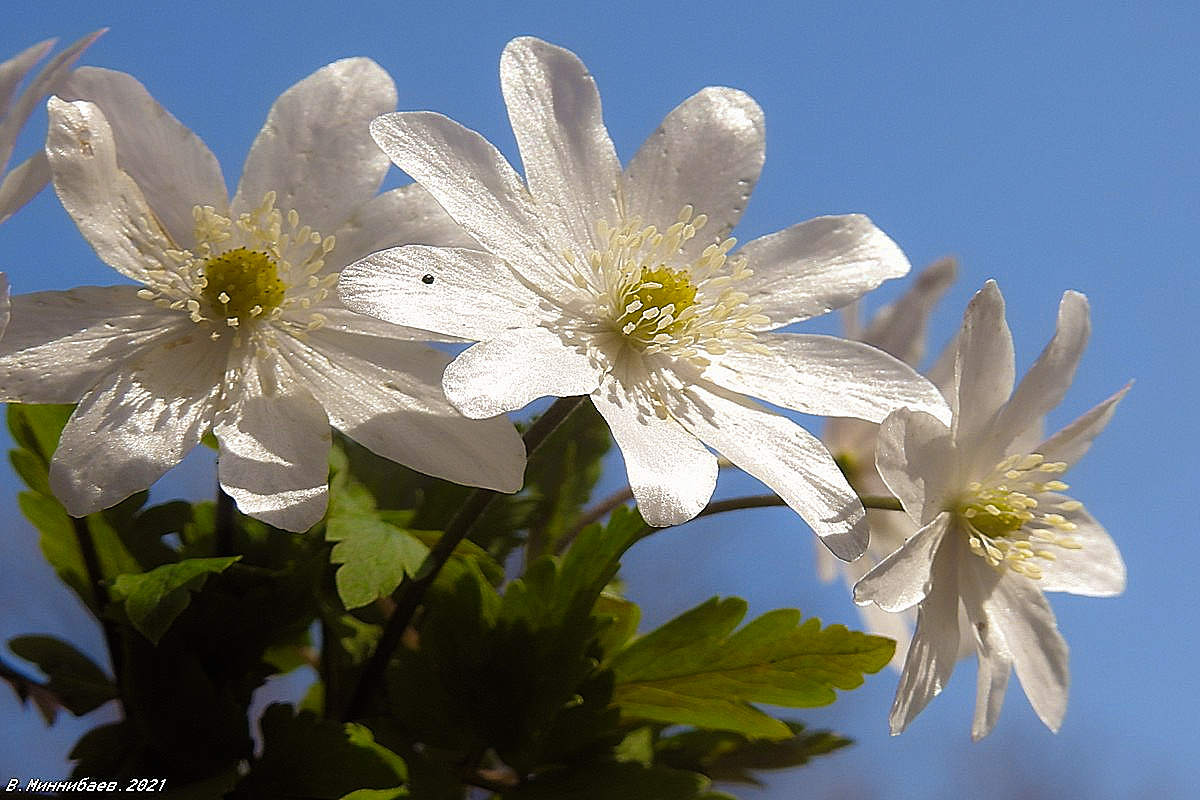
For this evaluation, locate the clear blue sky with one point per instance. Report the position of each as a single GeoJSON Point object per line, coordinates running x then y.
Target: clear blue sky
{"type": "Point", "coordinates": [1049, 146]}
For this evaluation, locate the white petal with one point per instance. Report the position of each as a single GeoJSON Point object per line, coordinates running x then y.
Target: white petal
{"type": "Point", "coordinates": [465, 293]}
{"type": "Point", "coordinates": [274, 457]}
{"type": "Point", "coordinates": [480, 190]}
{"type": "Point", "coordinates": [387, 396]}
{"type": "Point", "coordinates": [899, 328]}
{"type": "Point", "coordinates": [904, 578]}
{"type": "Point", "coordinates": [782, 455]}
{"type": "Point", "coordinates": [569, 161]}
{"type": "Point", "coordinates": [994, 656]}
{"type": "Point", "coordinates": [514, 368]}
{"type": "Point", "coordinates": [934, 649]}
{"type": "Point", "coordinates": [1094, 570]}
{"type": "Point", "coordinates": [340, 318]}
{"type": "Point", "coordinates": [915, 456]}
{"type": "Point", "coordinates": [1073, 441]}
{"type": "Point", "coordinates": [24, 182]}
{"type": "Point", "coordinates": [983, 368]}
{"type": "Point", "coordinates": [826, 376]}
{"type": "Point", "coordinates": [106, 204]}
{"type": "Point", "coordinates": [148, 137]}
{"type": "Point", "coordinates": [1019, 609]}
{"type": "Point", "coordinates": [819, 265]}
{"type": "Point", "coordinates": [707, 153]}
{"type": "Point", "coordinates": [1045, 383]}
{"type": "Point", "coordinates": [13, 117]}
{"type": "Point", "coordinates": [60, 344]}
{"type": "Point", "coordinates": [315, 150]}
{"type": "Point", "coordinates": [408, 215]}
{"type": "Point", "coordinates": [671, 473]}
{"type": "Point", "coordinates": [126, 433]}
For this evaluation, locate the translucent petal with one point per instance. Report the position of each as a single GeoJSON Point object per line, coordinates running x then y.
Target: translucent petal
{"type": "Point", "coordinates": [904, 578]}
{"type": "Point", "coordinates": [984, 369]}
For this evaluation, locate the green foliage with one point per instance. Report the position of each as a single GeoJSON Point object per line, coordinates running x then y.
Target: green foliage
{"type": "Point", "coordinates": [608, 780]}
{"type": "Point", "coordinates": [304, 756]}
{"type": "Point", "coordinates": [731, 757]}
{"type": "Point", "coordinates": [154, 599]}
{"type": "Point", "coordinates": [75, 681]}
{"type": "Point", "coordinates": [696, 670]}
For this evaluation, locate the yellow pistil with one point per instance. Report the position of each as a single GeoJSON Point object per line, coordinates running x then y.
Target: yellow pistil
{"type": "Point", "coordinates": [1007, 525]}
{"type": "Point", "coordinates": [654, 302]}
{"type": "Point", "coordinates": [242, 284]}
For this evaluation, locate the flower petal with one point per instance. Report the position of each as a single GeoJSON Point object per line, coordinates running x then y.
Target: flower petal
{"type": "Point", "coordinates": [274, 457]}
{"type": "Point", "coordinates": [147, 137]}
{"type": "Point", "coordinates": [554, 107]}
{"type": "Point", "coordinates": [671, 473]}
{"type": "Point", "coordinates": [387, 396]}
{"type": "Point", "coordinates": [127, 432]}
{"type": "Point", "coordinates": [933, 653]}
{"type": "Point", "coordinates": [904, 578]}
{"type": "Point", "coordinates": [408, 215]}
{"type": "Point", "coordinates": [59, 345]}
{"type": "Point", "coordinates": [1044, 385]}
{"type": "Point", "coordinates": [315, 151]}
{"type": "Point", "coordinates": [478, 188]}
{"type": "Point", "coordinates": [340, 318]}
{"type": "Point", "coordinates": [23, 183]}
{"type": "Point", "coordinates": [782, 455]}
{"type": "Point", "coordinates": [106, 204]}
{"type": "Point", "coordinates": [1019, 609]}
{"type": "Point", "coordinates": [1096, 569]}
{"type": "Point", "coordinates": [994, 656]}
{"type": "Point", "coordinates": [899, 328]}
{"type": "Point", "coordinates": [464, 293]}
{"type": "Point", "coordinates": [1073, 441]}
{"type": "Point", "coordinates": [514, 368]}
{"type": "Point", "coordinates": [915, 456]}
{"type": "Point", "coordinates": [707, 153]}
{"type": "Point", "coordinates": [984, 369]}
{"type": "Point", "coordinates": [826, 376]}
{"type": "Point", "coordinates": [819, 265]}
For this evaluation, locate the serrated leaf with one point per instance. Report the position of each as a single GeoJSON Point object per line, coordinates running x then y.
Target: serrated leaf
{"type": "Point", "coordinates": [154, 599]}
{"type": "Point", "coordinates": [374, 556]}
{"type": "Point", "coordinates": [696, 670]}
{"type": "Point", "coordinates": [305, 756]}
{"type": "Point", "coordinates": [76, 681]}
{"type": "Point", "coordinates": [732, 757]}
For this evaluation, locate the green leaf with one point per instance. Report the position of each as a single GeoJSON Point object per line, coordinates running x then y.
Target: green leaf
{"type": "Point", "coordinates": [78, 683]}
{"type": "Point", "coordinates": [731, 757]}
{"type": "Point", "coordinates": [305, 756]}
{"type": "Point", "coordinates": [154, 599]}
{"type": "Point", "coordinates": [696, 670]}
{"type": "Point", "coordinates": [377, 794]}
{"type": "Point", "coordinates": [374, 556]}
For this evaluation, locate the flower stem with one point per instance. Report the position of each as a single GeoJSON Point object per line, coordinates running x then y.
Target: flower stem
{"type": "Point", "coordinates": [95, 576]}
{"type": "Point", "coordinates": [412, 589]}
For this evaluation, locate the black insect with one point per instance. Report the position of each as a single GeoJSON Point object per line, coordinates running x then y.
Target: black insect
{"type": "Point", "coordinates": [427, 279]}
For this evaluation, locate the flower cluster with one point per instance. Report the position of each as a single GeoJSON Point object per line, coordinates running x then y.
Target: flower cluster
{"type": "Point", "coordinates": [308, 300]}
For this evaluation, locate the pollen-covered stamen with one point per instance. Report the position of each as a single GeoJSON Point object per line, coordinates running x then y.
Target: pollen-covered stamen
{"type": "Point", "coordinates": [656, 299]}
{"type": "Point", "coordinates": [262, 267]}
{"type": "Point", "coordinates": [1008, 525]}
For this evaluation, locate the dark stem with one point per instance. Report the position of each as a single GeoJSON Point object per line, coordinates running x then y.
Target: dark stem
{"type": "Point", "coordinates": [223, 535]}
{"type": "Point", "coordinates": [594, 514]}
{"type": "Point", "coordinates": [412, 589]}
{"type": "Point", "coordinates": [95, 576]}
{"type": "Point", "coordinates": [881, 502]}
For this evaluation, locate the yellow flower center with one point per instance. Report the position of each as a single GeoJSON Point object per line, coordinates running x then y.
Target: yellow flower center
{"type": "Point", "coordinates": [653, 303]}
{"type": "Point", "coordinates": [1007, 525]}
{"type": "Point", "coordinates": [242, 284]}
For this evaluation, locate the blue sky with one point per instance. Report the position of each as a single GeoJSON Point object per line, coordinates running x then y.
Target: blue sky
{"type": "Point", "coordinates": [1048, 149]}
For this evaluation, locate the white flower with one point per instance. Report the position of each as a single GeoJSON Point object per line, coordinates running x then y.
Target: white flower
{"type": "Point", "coordinates": [621, 285]}
{"type": "Point", "coordinates": [18, 186]}
{"type": "Point", "coordinates": [235, 327]}
{"type": "Point", "coordinates": [897, 329]}
{"type": "Point", "coordinates": [995, 530]}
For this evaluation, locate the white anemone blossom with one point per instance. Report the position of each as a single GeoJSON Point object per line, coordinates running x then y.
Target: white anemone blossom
{"type": "Point", "coordinates": [235, 326]}
{"type": "Point", "coordinates": [995, 531]}
{"type": "Point", "coordinates": [899, 329]}
{"type": "Point", "coordinates": [18, 186]}
{"type": "Point", "coordinates": [624, 285]}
